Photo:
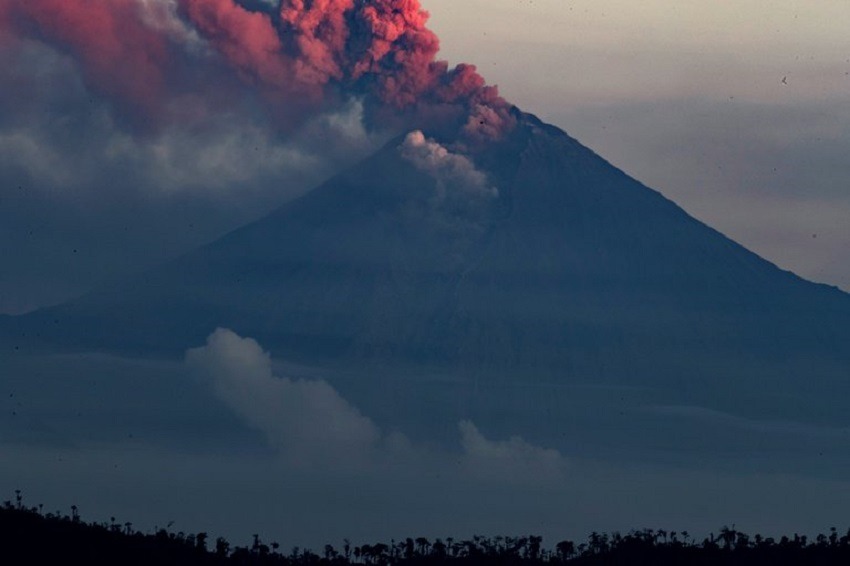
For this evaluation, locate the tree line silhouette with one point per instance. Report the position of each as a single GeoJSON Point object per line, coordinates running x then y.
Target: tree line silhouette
{"type": "Point", "coordinates": [28, 535]}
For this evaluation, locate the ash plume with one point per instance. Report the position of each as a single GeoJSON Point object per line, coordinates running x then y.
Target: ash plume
{"type": "Point", "coordinates": [166, 61]}
{"type": "Point", "coordinates": [447, 168]}
{"type": "Point", "coordinates": [121, 55]}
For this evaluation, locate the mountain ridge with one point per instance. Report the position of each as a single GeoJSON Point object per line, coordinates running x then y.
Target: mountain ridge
{"type": "Point", "coordinates": [575, 268]}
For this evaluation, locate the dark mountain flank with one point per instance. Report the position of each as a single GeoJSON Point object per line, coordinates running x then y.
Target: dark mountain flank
{"type": "Point", "coordinates": [573, 269]}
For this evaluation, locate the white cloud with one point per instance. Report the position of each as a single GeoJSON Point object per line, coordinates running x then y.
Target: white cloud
{"type": "Point", "coordinates": [513, 459]}
{"type": "Point", "coordinates": [73, 140]}
{"type": "Point", "coordinates": [234, 155]}
{"type": "Point", "coordinates": [163, 15]}
{"type": "Point", "coordinates": [40, 161]}
{"type": "Point", "coordinates": [306, 421]}
{"type": "Point", "coordinates": [453, 171]}
{"type": "Point", "coordinates": [312, 427]}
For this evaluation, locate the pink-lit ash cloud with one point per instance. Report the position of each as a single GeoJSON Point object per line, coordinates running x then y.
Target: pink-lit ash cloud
{"type": "Point", "coordinates": [148, 57]}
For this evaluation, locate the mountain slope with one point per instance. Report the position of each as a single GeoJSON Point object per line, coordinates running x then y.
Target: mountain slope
{"type": "Point", "coordinates": [575, 269]}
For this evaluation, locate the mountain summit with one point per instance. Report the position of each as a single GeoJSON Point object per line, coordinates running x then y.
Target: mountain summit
{"type": "Point", "coordinates": [534, 255]}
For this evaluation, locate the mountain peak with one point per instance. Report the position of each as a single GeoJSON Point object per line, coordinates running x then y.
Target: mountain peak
{"type": "Point", "coordinates": [528, 255]}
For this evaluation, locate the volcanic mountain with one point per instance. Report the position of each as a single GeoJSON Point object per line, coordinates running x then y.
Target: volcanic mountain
{"type": "Point", "coordinates": [541, 259]}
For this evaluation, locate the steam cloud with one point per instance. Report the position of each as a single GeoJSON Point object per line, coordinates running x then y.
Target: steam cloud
{"type": "Point", "coordinates": [305, 420]}
{"type": "Point", "coordinates": [449, 169]}
{"type": "Point", "coordinates": [312, 426]}
{"type": "Point", "coordinates": [512, 459]}
{"type": "Point", "coordinates": [160, 61]}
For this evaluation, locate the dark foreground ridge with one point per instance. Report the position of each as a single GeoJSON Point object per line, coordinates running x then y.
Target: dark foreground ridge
{"type": "Point", "coordinates": [28, 536]}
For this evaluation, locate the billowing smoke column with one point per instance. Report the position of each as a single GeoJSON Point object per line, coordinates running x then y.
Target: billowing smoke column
{"type": "Point", "coordinates": [298, 56]}
{"type": "Point", "coordinates": [121, 54]}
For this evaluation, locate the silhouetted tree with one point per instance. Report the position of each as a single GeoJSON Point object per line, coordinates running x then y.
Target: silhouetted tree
{"type": "Point", "coordinates": [27, 536]}
{"type": "Point", "coordinates": [565, 550]}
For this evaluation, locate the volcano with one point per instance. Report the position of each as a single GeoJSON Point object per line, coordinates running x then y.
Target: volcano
{"type": "Point", "coordinates": [564, 267]}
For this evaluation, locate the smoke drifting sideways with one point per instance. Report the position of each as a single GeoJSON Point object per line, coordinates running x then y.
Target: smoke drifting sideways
{"type": "Point", "coordinates": [311, 427]}
{"type": "Point", "coordinates": [161, 62]}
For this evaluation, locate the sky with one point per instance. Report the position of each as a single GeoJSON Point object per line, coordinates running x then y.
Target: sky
{"type": "Point", "coordinates": [736, 112]}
